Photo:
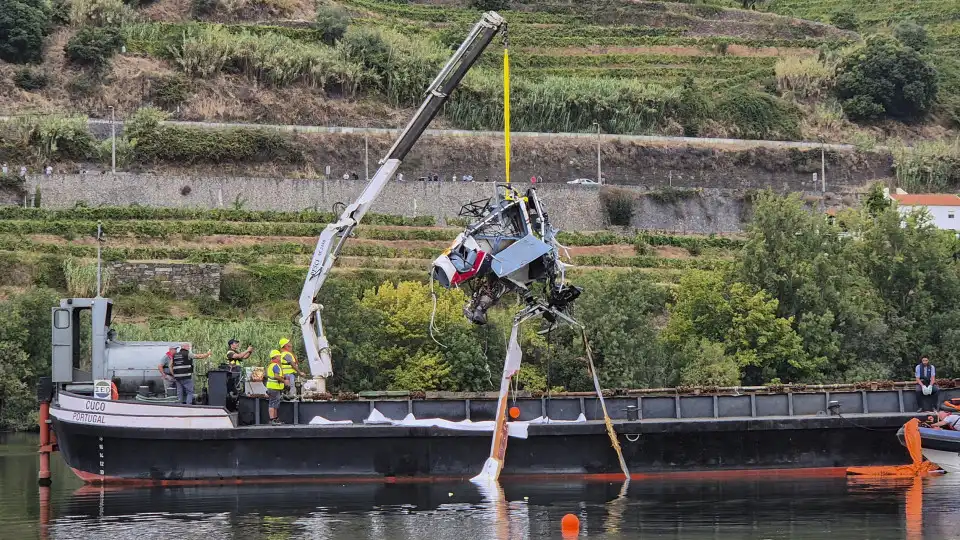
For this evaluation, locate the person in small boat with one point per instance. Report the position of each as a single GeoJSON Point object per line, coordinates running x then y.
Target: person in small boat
{"type": "Point", "coordinates": [181, 365]}
{"type": "Point", "coordinates": [276, 383]}
{"type": "Point", "coordinates": [926, 376]}
{"type": "Point", "coordinates": [947, 421]}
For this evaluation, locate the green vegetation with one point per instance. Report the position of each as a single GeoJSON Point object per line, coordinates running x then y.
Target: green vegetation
{"type": "Point", "coordinates": [30, 80]}
{"type": "Point", "coordinates": [914, 23]}
{"type": "Point", "coordinates": [885, 78]}
{"type": "Point", "coordinates": [23, 25]}
{"type": "Point", "coordinates": [794, 301]}
{"type": "Point", "coordinates": [93, 46]}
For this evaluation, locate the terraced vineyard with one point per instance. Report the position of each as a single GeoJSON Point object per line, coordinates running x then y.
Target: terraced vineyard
{"type": "Point", "coordinates": [34, 243]}
{"type": "Point", "coordinates": [659, 43]}
{"type": "Point", "coordinates": [940, 17]}
{"type": "Point", "coordinates": [632, 67]}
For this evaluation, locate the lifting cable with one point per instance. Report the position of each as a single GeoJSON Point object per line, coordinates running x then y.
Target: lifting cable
{"type": "Point", "coordinates": [606, 418]}
{"type": "Point", "coordinates": [506, 107]}
{"type": "Point", "coordinates": [433, 313]}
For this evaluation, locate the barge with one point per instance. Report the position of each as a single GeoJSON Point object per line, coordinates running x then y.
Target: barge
{"type": "Point", "coordinates": [386, 439]}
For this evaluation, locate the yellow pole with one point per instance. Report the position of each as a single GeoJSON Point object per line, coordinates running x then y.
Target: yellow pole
{"type": "Point", "coordinates": [506, 110]}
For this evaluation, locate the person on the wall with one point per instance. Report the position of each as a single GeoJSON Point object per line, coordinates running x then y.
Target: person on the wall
{"type": "Point", "coordinates": [926, 376]}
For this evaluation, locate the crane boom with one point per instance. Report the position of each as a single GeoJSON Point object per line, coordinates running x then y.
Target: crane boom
{"type": "Point", "coordinates": [335, 234]}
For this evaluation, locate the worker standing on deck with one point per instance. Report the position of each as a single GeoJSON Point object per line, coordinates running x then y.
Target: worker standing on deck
{"type": "Point", "coordinates": [164, 368]}
{"type": "Point", "coordinates": [276, 383]}
{"type": "Point", "coordinates": [181, 365]}
{"type": "Point", "coordinates": [288, 362]}
{"type": "Point", "coordinates": [234, 356]}
{"type": "Point", "coordinates": [927, 390]}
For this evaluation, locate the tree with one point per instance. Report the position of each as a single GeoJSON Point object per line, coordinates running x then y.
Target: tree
{"type": "Point", "coordinates": [404, 351]}
{"type": "Point", "coordinates": [24, 355]}
{"type": "Point", "coordinates": [912, 35]}
{"type": "Point", "coordinates": [23, 25]}
{"type": "Point", "coordinates": [801, 260]}
{"type": "Point", "coordinates": [332, 22]}
{"type": "Point", "coordinates": [744, 321]}
{"type": "Point", "coordinates": [618, 311]}
{"type": "Point", "coordinates": [706, 363]}
{"type": "Point", "coordinates": [93, 46]}
{"type": "Point", "coordinates": [876, 202]}
{"type": "Point", "coordinates": [845, 20]}
{"type": "Point", "coordinates": [911, 265]}
{"type": "Point", "coordinates": [885, 78]}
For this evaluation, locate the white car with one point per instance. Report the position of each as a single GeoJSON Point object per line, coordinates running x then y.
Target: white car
{"type": "Point", "coordinates": [584, 182]}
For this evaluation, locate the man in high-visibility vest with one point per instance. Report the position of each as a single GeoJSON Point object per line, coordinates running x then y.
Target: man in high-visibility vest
{"type": "Point", "coordinates": [234, 356]}
{"type": "Point", "coordinates": [275, 386]}
{"type": "Point", "coordinates": [288, 362]}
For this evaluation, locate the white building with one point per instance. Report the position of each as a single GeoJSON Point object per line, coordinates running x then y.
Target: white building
{"type": "Point", "coordinates": [944, 208]}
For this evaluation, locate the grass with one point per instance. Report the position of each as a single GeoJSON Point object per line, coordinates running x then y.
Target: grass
{"type": "Point", "coordinates": [804, 77]}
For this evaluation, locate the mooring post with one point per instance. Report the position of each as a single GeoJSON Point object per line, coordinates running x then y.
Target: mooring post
{"type": "Point", "coordinates": [43, 478]}
{"type": "Point", "coordinates": [44, 396]}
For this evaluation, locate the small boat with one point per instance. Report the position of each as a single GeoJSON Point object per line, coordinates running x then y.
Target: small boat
{"type": "Point", "coordinates": [941, 446]}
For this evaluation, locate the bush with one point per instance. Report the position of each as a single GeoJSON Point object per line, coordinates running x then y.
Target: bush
{"type": "Point", "coordinates": [203, 8]}
{"type": "Point", "coordinates": [755, 115]}
{"type": "Point", "coordinates": [100, 12]}
{"type": "Point", "coordinates": [237, 289]}
{"type": "Point", "coordinates": [27, 79]}
{"type": "Point", "coordinates": [56, 137]}
{"type": "Point", "coordinates": [60, 12]}
{"type": "Point", "coordinates": [170, 91]}
{"type": "Point", "coordinates": [181, 145]}
{"type": "Point", "coordinates": [845, 19]}
{"type": "Point", "coordinates": [912, 35]}
{"type": "Point", "coordinates": [93, 46]}
{"type": "Point", "coordinates": [490, 5]}
{"type": "Point", "coordinates": [618, 204]}
{"type": "Point", "coordinates": [83, 86]}
{"type": "Point", "coordinates": [884, 78]}
{"type": "Point", "coordinates": [332, 22]}
{"type": "Point", "coordinates": [23, 25]}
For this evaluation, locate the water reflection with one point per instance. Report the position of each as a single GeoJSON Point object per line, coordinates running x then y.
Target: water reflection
{"type": "Point", "coordinates": [692, 508]}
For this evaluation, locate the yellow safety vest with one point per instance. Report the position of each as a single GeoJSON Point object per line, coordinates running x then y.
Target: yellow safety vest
{"type": "Point", "coordinates": [232, 361]}
{"type": "Point", "coordinates": [286, 363]}
{"type": "Point", "coordinates": [272, 371]}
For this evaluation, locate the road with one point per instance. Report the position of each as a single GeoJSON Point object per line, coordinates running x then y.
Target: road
{"type": "Point", "coordinates": [654, 139]}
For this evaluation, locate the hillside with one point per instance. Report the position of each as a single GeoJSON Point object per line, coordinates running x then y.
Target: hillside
{"type": "Point", "coordinates": [631, 66]}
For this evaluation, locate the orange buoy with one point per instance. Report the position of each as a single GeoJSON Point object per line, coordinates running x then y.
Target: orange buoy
{"type": "Point", "coordinates": [514, 412]}
{"type": "Point", "coordinates": [570, 524]}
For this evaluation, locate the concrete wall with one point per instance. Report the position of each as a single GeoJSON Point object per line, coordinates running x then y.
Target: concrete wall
{"type": "Point", "coordinates": [571, 207]}
{"type": "Point", "coordinates": [179, 280]}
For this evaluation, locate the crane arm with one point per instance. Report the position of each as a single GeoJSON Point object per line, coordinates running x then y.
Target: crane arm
{"type": "Point", "coordinates": [335, 234]}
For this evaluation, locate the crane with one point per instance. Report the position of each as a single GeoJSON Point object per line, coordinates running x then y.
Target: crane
{"type": "Point", "coordinates": [332, 238]}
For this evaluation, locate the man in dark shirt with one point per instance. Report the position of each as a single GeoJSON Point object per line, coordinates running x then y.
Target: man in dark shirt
{"type": "Point", "coordinates": [234, 356]}
{"type": "Point", "coordinates": [926, 376]}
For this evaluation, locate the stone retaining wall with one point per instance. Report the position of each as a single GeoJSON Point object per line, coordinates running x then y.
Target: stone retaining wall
{"type": "Point", "coordinates": [571, 207]}
{"type": "Point", "coordinates": [177, 279]}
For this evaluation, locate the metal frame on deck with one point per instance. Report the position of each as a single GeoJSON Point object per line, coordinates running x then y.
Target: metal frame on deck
{"type": "Point", "coordinates": [662, 407]}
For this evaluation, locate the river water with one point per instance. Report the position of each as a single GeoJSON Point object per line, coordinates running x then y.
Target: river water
{"type": "Point", "coordinates": [757, 507]}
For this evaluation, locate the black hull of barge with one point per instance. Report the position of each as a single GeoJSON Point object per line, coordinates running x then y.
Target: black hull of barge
{"type": "Point", "coordinates": [385, 453]}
